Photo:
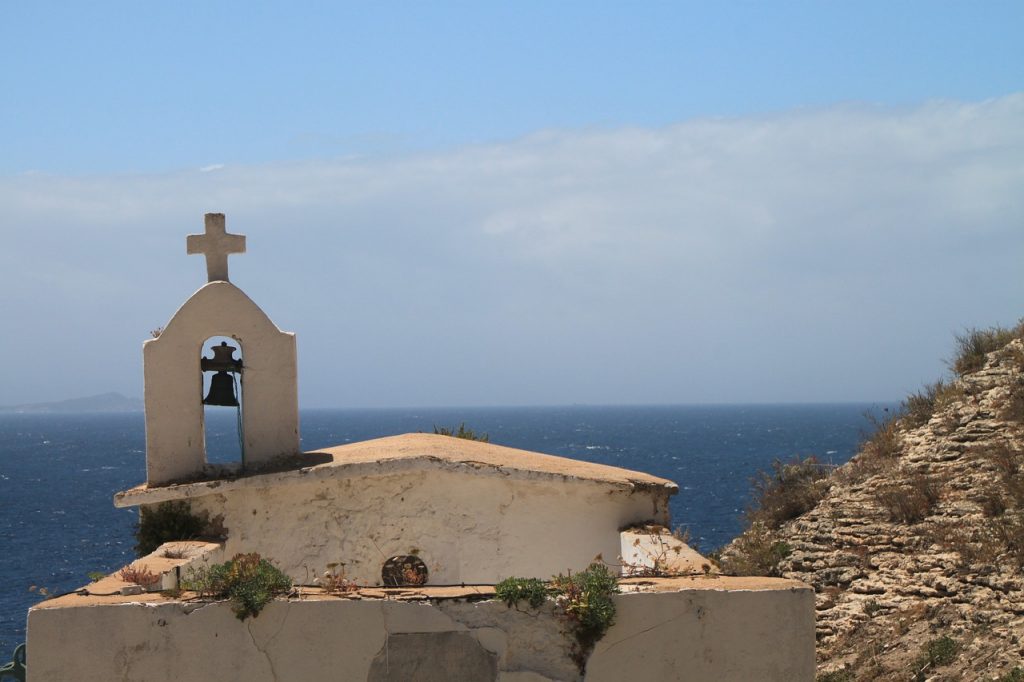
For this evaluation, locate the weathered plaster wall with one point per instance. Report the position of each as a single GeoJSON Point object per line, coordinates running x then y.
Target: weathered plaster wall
{"type": "Point", "coordinates": [709, 635]}
{"type": "Point", "coordinates": [173, 384]}
{"type": "Point", "coordinates": [695, 635]}
{"type": "Point", "coordinates": [467, 528]}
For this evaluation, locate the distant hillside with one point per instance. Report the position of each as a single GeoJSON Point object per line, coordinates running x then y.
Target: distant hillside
{"type": "Point", "coordinates": [915, 548]}
{"type": "Point", "coordinates": [107, 402]}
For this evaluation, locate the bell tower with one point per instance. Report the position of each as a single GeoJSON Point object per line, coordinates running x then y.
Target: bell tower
{"type": "Point", "coordinates": [173, 369]}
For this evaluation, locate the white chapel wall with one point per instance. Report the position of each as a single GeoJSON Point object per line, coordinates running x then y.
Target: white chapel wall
{"type": "Point", "coordinates": [466, 528]}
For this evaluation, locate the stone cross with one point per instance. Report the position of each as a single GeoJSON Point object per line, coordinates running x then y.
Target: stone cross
{"type": "Point", "coordinates": [216, 244]}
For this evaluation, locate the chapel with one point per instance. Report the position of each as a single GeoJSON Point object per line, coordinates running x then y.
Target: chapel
{"type": "Point", "coordinates": [422, 527]}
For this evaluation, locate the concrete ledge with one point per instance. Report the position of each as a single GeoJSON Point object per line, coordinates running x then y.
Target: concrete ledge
{"type": "Point", "coordinates": [696, 628]}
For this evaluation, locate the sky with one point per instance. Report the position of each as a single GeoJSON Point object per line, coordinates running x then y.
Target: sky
{"type": "Point", "coordinates": [531, 203]}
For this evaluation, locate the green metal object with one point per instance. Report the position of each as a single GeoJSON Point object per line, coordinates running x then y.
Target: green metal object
{"type": "Point", "coordinates": [15, 670]}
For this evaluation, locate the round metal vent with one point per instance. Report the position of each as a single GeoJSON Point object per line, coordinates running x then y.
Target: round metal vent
{"type": "Point", "coordinates": [404, 571]}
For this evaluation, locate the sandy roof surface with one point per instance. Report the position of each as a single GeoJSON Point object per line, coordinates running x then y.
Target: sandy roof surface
{"type": "Point", "coordinates": [464, 451]}
{"type": "Point", "coordinates": [407, 452]}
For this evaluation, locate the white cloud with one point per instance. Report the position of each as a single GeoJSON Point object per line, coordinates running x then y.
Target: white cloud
{"type": "Point", "coordinates": [675, 264]}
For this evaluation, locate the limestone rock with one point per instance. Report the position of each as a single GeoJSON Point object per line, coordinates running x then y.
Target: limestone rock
{"type": "Point", "coordinates": [886, 588]}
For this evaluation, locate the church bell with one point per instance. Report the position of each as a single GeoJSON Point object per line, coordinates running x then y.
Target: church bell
{"type": "Point", "coordinates": [222, 384]}
{"type": "Point", "coordinates": [222, 391]}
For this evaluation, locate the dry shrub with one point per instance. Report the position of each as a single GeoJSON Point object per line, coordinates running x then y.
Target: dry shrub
{"type": "Point", "coordinates": [1012, 408]}
{"type": "Point", "coordinates": [885, 442]}
{"type": "Point", "coordinates": [1009, 464]}
{"type": "Point", "coordinates": [757, 551]}
{"type": "Point", "coordinates": [789, 490]}
{"type": "Point", "coordinates": [992, 503]}
{"type": "Point", "coordinates": [1004, 458]}
{"type": "Point", "coordinates": [974, 344]}
{"type": "Point", "coordinates": [333, 580]}
{"type": "Point", "coordinates": [909, 617]}
{"type": "Point", "coordinates": [829, 597]}
{"type": "Point", "coordinates": [659, 554]}
{"type": "Point", "coordinates": [978, 546]}
{"type": "Point", "coordinates": [139, 575]}
{"type": "Point", "coordinates": [1009, 529]}
{"type": "Point", "coordinates": [910, 502]}
{"type": "Point", "coordinates": [918, 408]}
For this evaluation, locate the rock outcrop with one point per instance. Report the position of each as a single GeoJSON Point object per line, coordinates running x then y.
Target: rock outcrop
{"type": "Point", "coordinates": [916, 547]}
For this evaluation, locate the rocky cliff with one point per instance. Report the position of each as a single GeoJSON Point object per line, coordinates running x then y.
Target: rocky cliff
{"type": "Point", "coordinates": [915, 548]}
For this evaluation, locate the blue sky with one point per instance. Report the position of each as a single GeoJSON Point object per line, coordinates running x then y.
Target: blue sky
{"type": "Point", "coordinates": [528, 203]}
{"type": "Point", "coordinates": [115, 87]}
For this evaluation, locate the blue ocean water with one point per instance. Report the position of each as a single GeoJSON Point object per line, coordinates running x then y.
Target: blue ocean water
{"type": "Point", "coordinates": [60, 472]}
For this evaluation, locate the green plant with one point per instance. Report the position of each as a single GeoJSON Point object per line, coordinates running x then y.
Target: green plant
{"type": "Point", "coordinates": [165, 522]}
{"type": "Point", "coordinates": [96, 576]}
{"type": "Point", "coordinates": [248, 580]}
{"type": "Point", "coordinates": [935, 654]}
{"type": "Point", "coordinates": [789, 490]}
{"type": "Point", "coordinates": [974, 344]}
{"type": "Point", "coordinates": [586, 599]}
{"type": "Point", "coordinates": [462, 432]}
{"type": "Point", "coordinates": [1015, 675]}
{"type": "Point", "coordinates": [513, 590]}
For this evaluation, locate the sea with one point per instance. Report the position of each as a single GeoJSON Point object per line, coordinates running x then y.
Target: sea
{"type": "Point", "coordinates": [59, 472]}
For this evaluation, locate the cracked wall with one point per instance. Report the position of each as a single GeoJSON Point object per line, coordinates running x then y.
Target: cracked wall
{"type": "Point", "coordinates": [693, 634]}
{"type": "Point", "coordinates": [466, 528]}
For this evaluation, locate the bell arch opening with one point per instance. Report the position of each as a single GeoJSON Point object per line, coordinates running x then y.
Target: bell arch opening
{"type": "Point", "coordinates": [221, 366]}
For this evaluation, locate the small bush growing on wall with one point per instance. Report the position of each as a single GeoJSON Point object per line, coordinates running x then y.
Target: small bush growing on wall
{"type": "Point", "coordinates": [248, 580]}
{"type": "Point", "coordinates": [514, 590]}
{"type": "Point", "coordinates": [584, 599]}
{"type": "Point", "coordinates": [166, 522]}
